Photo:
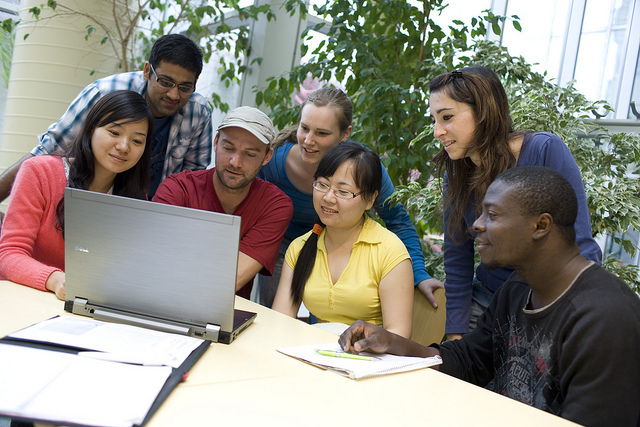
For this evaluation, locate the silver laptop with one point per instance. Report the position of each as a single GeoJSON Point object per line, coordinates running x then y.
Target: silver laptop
{"type": "Point", "coordinates": [153, 265]}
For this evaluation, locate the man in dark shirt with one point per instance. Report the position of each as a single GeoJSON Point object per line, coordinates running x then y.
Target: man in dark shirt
{"type": "Point", "coordinates": [561, 334]}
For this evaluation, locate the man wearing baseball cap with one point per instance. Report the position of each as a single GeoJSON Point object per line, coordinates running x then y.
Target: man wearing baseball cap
{"type": "Point", "coordinates": [242, 147]}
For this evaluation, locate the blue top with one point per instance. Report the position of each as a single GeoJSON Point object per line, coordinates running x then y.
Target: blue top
{"type": "Point", "coordinates": [538, 149]}
{"type": "Point", "coordinates": [396, 218]}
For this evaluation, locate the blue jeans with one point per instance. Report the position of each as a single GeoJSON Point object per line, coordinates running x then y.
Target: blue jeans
{"type": "Point", "coordinates": [480, 299]}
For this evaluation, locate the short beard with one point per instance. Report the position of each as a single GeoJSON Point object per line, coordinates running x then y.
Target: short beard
{"type": "Point", "coordinates": [491, 266]}
{"type": "Point", "coordinates": [495, 265]}
{"type": "Point", "coordinates": [239, 186]}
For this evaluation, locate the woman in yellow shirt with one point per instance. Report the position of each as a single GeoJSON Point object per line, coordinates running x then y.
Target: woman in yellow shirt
{"type": "Point", "coordinates": [348, 267]}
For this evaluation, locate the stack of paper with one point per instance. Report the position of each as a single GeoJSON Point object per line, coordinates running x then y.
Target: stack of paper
{"type": "Point", "coordinates": [121, 343]}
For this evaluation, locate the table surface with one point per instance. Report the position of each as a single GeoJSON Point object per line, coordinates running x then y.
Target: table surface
{"type": "Point", "coordinates": [249, 383]}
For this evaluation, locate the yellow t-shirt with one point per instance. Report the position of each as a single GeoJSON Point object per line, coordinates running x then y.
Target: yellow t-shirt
{"type": "Point", "coordinates": [355, 295]}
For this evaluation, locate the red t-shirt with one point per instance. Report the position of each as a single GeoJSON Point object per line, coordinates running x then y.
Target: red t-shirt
{"type": "Point", "coordinates": [265, 212]}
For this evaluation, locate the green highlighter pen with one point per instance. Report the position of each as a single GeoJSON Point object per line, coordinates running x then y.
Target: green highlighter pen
{"type": "Point", "coordinates": [343, 354]}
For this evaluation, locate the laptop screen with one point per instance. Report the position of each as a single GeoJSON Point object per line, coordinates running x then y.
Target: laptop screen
{"type": "Point", "coordinates": [151, 259]}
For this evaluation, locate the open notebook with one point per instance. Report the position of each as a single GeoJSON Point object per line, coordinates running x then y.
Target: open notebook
{"type": "Point", "coordinates": [148, 264]}
{"type": "Point", "coordinates": [362, 366]}
{"type": "Point", "coordinates": [74, 370]}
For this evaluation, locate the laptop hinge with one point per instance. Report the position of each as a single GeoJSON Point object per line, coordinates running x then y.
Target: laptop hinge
{"type": "Point", "coordinates": [109, 316]}
{"type": "Point", "coordinates": [77, 306]}
{"type": "Point", "coordinates": [212, 332]}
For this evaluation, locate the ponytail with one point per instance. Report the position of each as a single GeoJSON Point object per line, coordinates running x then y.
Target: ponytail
{"type": "Point", "coordinates": [305, 263]}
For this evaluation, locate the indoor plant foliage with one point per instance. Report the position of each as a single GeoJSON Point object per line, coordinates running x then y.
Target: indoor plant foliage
{"type": "Point", "coordinates": [386, 51]}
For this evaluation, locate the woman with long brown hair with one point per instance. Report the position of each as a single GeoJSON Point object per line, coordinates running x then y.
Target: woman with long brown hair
{"type": "Point", "coordinates": [471, 115]}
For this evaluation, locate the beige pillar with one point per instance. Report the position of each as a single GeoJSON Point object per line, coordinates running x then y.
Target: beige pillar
{"type": "Point", "coordinates": [49, 68]}
{"type": "Point", "coordinates": [277, 43]}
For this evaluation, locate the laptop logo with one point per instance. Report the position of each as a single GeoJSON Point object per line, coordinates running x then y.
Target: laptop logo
{"type": "Point", "coordinates": [81, 249]}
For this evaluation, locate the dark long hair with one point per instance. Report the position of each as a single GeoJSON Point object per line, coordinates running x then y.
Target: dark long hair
{"type": "Point", "coordinates": [368, 178]}
{"type": "Point", "coordinates": [480, 88]}
{"type": "Point", "coordinates": [122, 106]}
{"type": "Point", "coordinates": [326, 96]}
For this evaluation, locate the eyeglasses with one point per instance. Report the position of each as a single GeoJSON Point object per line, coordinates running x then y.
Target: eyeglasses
{"type": "Point", "coordinates": [339, 193]}
{"type": "Point", "coordinates": [168, 84]}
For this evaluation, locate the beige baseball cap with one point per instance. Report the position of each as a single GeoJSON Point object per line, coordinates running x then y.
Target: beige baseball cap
{"type": "Point", "coordinates": [251, 119]}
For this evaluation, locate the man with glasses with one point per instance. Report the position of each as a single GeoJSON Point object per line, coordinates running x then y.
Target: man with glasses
{"type": "Point", "coordinates": [182, 134]}
{"type": "Point", "coordinates": [242, 146]}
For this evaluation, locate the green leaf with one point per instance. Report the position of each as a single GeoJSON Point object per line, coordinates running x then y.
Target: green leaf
{"type": "Point", "coordinates": [386, 52]}
{"type": "Point", "coordinates": [35, 11]}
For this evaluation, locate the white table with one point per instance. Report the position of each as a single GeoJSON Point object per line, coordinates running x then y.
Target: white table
{"type": "Point", "coordinates": [248, 383]}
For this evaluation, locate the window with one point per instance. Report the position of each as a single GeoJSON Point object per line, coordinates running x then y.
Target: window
{"type": "Point", "coordinates": [541, 41]}
{"type": "Point", "coordinates": [593, 42]}
{"type": "Point", "coordinates": [603, 46]}
{"type": "Point", "coordinates": [635, 93]}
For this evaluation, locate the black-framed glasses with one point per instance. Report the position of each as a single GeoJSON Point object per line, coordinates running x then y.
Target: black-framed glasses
{"type": "Point", "coordinates": [168, 84]}
{"type": "Point", "coordinates": [339, 192]}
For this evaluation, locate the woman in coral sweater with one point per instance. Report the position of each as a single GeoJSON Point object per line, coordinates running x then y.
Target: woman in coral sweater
{"type": "Point", "coordinates": [111, 155]}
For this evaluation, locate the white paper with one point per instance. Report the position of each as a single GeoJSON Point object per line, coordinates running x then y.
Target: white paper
{"type": "Point", "coordinates": [380, 364]}
{"type": "Point", "coordinates": [143, 345]}
{"type": "Point", "coordinates": [60, 387]}
{"type": "Point", "coordinates": [26, 371]}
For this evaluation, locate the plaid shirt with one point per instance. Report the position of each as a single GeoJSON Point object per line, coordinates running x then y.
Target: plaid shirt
{"type": "Point", "coordinates": [190, 135]}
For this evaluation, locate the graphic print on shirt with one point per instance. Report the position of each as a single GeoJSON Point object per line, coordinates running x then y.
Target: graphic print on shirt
{"type": "Point", "coordinates": [523, 371]}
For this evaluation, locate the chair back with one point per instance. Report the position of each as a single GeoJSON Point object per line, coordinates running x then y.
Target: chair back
{"type": "Point", "coordinates": [428, 322]}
